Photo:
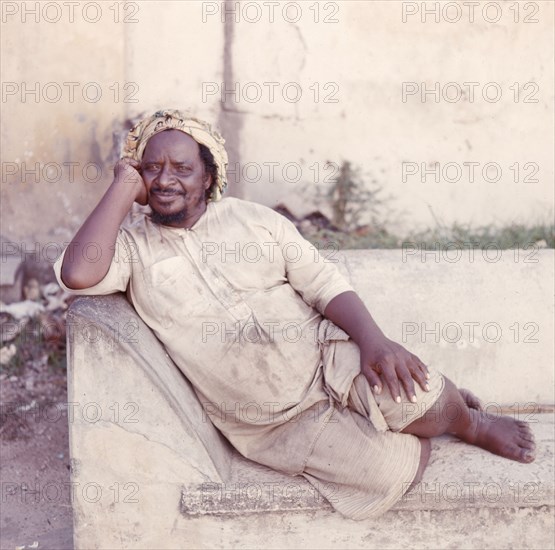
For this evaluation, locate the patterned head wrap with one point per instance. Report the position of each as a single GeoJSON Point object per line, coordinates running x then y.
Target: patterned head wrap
{"type": "Point", "coordinates": [172, 119]}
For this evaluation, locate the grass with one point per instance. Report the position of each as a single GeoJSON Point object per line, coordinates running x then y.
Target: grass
{"type": "Point", "coordinates": [356, 198]}
{"type": "Point", "coordinates": [508, 237]}
{"type": "Point", "coordinates": [32, 346]}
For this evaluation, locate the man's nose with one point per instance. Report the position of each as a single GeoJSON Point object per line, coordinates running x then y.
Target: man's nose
{"type": "Point", "coordinates": [165, 177]}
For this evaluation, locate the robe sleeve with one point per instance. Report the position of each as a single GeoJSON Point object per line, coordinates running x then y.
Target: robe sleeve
{"type": "Point", "coordinates": [315, 277]}
{"type": "Point", "coordinates": [118, 275]}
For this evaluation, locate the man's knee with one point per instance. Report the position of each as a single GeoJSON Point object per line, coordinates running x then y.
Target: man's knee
{"type": "Point", "coordinates": [448, 412]}
{"type": "Point", "coordinates": [400, 416]}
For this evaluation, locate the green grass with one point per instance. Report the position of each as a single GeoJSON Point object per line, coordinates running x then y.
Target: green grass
{"type": "Point", "coordinates": [512, 236]}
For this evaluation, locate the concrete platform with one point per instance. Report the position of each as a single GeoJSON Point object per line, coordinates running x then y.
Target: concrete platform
{"type": "Point", "coordinates": [458, 476]}
{"type": "Point", "coordinates": [149, 471]}
{"type": "Point", "coordinates": [468, 498]}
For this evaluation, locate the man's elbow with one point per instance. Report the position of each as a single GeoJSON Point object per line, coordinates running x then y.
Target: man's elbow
{"type": "Point", "coordinates": [71, 282]}
{"type": "Point", "coordinates": [76, 281]}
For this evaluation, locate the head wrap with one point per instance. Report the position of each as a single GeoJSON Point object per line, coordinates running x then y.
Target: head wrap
{"type": "Point", "coordinates": [200, 131]}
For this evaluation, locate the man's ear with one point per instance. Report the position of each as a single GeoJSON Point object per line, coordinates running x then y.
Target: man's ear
{"type": "Point", "coordinates": [208, 181]}
{"type": "Point", "coordinates": [208, 187]}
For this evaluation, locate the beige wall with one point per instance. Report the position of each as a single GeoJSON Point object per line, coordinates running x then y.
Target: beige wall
{"type": "Point", "coordinates": [39, 135]}
{"type": "Point", "coordinates": [179, 54]}
{"type": "Point", "coordinates": [368, 54]}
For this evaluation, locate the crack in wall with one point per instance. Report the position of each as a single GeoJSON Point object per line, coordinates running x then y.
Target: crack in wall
{"type": "Point", "coordinates": [229, 119]}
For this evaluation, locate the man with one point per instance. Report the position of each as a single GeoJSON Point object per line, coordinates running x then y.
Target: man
{"type": "Point", "coordinates": [282, 353]}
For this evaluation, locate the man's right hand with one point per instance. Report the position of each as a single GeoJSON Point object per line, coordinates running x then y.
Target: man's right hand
{"type": "Point", "coordinates": [127, 172]}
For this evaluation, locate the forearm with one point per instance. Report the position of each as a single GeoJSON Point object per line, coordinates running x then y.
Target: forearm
{"type": "Point", "coordinates": [381, 358]}
{"type": "Point", "coordinates": [100, 228]}
{"type": "Point", "coordinates": [348, 312]}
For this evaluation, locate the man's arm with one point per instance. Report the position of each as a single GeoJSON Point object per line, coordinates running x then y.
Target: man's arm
{"type": "Point", "coordinates": [102, 226]}
{"type": "Point", "coordinates": [319, 283]}
{"type": "Point", "coordinates": [378, 354]}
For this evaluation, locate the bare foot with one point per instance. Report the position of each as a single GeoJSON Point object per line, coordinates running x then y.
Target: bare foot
{"type": "Point", "coordinates": [502, 435]}
{"type": "Point", "coordinates": [472, 402]}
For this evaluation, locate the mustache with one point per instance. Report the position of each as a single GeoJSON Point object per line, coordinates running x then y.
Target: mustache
{"type": "Point", "coordinates": [158, 191]}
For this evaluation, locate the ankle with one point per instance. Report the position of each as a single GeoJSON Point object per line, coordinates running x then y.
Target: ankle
{"type": "Point", "coordinates": [468, 427]}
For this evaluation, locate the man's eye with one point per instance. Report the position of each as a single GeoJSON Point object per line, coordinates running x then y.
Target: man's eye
{"type": "Point", "coordinates": [183, 169]}
{"type": "Point", "coordinates": [151, 167]}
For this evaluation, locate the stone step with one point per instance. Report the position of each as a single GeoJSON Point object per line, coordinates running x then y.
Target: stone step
{"type": "Point", "coordinates": [468, 498]}
{"type": "Point", "coordinates": [458, 476]}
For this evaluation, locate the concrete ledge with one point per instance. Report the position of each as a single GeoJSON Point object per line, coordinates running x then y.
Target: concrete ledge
{"type": "Point", "coordinates": [458, 476]}
{"type": "Point", "coordinates": [498, 528]}
{"type": "Point", "coordinates": [162, 476]}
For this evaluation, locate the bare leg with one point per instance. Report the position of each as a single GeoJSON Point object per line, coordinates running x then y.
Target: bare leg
{"type": "Point", "coordinates": [501, 435]}
{"type": "Point", "coordinates": [471, 400]}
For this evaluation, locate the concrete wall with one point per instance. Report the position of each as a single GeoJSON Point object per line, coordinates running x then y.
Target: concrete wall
{"type": "Point", "coordinates": [486, 322]}
{"type": "Point", "coordinates": [348, 61]}
{"type": "Point", "coordinates": [55, 143]}
{"type": "Point", "coordinates": [365, 57]}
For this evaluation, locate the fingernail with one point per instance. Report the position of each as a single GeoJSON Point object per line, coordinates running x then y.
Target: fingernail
{"type": "Point", "coordinates": [427, 376]}
{"type": "Point", "coordinates": [413, 398]}
{"type": "Point", "coordinates": [376, 389]}
{"type": "Point", "coordinates": [427, 387]}
{"type": "Point", "coordinates": [398, 399]}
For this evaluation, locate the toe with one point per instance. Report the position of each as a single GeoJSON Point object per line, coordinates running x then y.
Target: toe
{"type": "Point", "coordinates": [526, 429]}
{"type": "Point", "coordinates": [520, 454]}
{"type": "Point", "coordinates": [527, 444]}
{"type": "Point", "coordinates": [527, 435]}
{"type": "Point", "coordinates": [524, 436]}
{"type": "Point", "coordinates": [472, 400]}
{"type": "Point", "coordinates": [476, 404]}
{"type": "Point", "coordinates": [527, 456]}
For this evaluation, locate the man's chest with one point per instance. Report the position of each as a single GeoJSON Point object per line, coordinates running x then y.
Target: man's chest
{"type": "Point", "coordinates": [208, 273]}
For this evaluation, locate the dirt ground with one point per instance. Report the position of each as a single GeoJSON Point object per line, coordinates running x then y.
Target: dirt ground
{"type": "Point", "coordinates": [35, 508]}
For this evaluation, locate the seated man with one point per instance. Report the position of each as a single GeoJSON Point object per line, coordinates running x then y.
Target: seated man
{"type": "Point", "coordinates": [283, 355]}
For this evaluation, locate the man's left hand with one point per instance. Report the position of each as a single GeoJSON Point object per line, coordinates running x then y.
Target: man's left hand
{"type": "Point", "coordinates": [385, 361]}
{"type": "Point", "coordinates": [381, 359]}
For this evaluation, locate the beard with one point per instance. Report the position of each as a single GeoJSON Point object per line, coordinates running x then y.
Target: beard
{"type": "Point", "coordinates": [168, 219]}
{"type": "Point", "coordinates": [173, 218]}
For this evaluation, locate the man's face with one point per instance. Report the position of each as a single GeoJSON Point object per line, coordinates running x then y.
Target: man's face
{"type": "Point", "coordinates": [174, 175]}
